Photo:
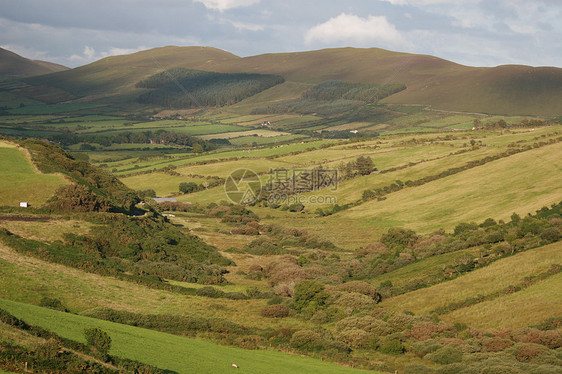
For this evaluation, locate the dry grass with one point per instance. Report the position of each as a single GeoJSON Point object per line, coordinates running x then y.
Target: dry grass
{"type": "Point", "coordinates": [47, 231]}
{"type": "Point", "coordinates": [27, 279]}
{"type": "Point", "coordinates": [492, 278]}
{"type": "Point", "coordinates": [527, 307]}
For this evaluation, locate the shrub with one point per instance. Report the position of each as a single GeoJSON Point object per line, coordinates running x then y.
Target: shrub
{"type": "Point", "coordinates": [98, 339]}
{"type": "Point", "coordinates": [496, 344]}
{"type": "Point", "coordinates": [330, 314]}
{"type": "Point", "coordinates": [235, 296]}
{"type": "Point", "coordinates": [401, 322]}
{"type": "Point", "coordinates": [307, 340]}
{"type": "Point", "coordinates": [309, 294]}
{"type": "Point", "coordinates": [427, 330]}
{"type": "Point", "coordinates": [500, 369]}
{"type": "Point", "coordinates": [359, 287]}
{"type": "Point", "coordinates": [369, 324]}
{"type": "Point", "coordinates": [448, 354]}
{"type": "Point", "coordinates": [53, 303]}
{"type": "Point", "coordinates": [353, 302]}
{"type": "Point", "coordinates": [209, 292]}
{"type": "Point", "coordinates": [528, 352]}
{"type": "Point", "coordinates": [417, 369]}
{"type": "Point", "coordinates": [355, 338]}
{"type": "Point", "coordinates": [399, 238]}
{"type": "Point", "coordinates": [393, 347]}
{"type": "Point", "coordinates": [275, 311]}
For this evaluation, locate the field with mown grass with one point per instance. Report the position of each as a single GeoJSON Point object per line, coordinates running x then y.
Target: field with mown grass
{"type": "Point", "coordinates": [171, 352]}
{"type": "Point", "coordinates": [496, 277]}
{"type": "Point", "coordinates": [21, 181]}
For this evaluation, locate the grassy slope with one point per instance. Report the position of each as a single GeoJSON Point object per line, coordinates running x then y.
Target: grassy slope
{"type": "Point", "coordinates": [27, 279]}
{"type": "Point", "coordinates": [21, 181]}
{"type": "Point", "coordinates": [181, 354]}
{"type": "Point", "coordinates": [121, 73]}
{"type": "Point", "coordinates": [495, 277]}
{"type": "Point", "coordinates": [13, 65]}
{"type": "Point", "coordinates": [534, 304]}
{"type": "Point", "coordinates": [430, 80]}
{"type": "Point", "coordinates": [534, 181]}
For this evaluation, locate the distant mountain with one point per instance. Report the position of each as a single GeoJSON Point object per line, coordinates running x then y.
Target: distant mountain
{"type": "Point", "coordinates": [15, 66]}
{"type": "Point", "coordinates": [430, 80]}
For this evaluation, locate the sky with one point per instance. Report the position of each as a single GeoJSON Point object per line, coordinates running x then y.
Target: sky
{"type": "Point", "coordinates": [470, 32]}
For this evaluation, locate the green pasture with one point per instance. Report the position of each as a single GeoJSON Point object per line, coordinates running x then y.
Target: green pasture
{"type": "Point", "coordinates": [171, 352]}
{"type": "Point", "coordinates": [21, 182]}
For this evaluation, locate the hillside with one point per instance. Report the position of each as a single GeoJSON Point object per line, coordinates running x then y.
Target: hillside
{"type": "Point", "coordinates": [16, 66]}
{"type": "Point", "coordinates": [429, 80]}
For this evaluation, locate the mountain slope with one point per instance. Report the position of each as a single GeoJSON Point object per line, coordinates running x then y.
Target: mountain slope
{"type": "Point", "coordinates": [16, 66]}
{"type": "Point", "coordinates": [429, 80]}
{"type": "Point", "coordinates": [119, 74]}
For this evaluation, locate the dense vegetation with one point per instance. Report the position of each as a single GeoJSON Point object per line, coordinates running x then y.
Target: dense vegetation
{"type": "Point", "coordinates": [184, 88]}
{"type": "Point", "coordinates": [337, 90]}
{"type": "Point", "coordinates": [145, 249]}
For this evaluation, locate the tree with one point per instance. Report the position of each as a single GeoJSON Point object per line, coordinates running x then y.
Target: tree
{"type": "Point", "coordinates": [364, 165]}
{"type": "Point", "coordinates": [309, 294]}
{"type": "Point", "coordinates": [98, 339]}
{"type": "Point", "coordinates": [197, 148]}
{"type": "Point", "coordinates": [188, 187]}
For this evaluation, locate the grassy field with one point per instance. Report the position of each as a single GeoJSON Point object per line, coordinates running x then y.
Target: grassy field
{"type": "Point", "coordinates": [163, 184]}
{"type": "Point", "coordinates": [492, 278]}
{"type": "Point", "coordinates": [28, 280]}
{"type": "Point", "coordinates": [534, 181]}
{"type": "Point", "coordinates": [21, 181]}
{"type": "Point", "coordinates": [534, 304]}
{"type": "Point", "coordinates": [171, 352]}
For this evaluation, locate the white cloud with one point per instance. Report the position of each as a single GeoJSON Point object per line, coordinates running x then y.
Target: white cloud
{"type": "Point", "coordinates": [90, 55]}
{"type": "Point", "coordinates": [349, 28]}
{"type": "Point", "coordinates": [247, 26]}
{"type": "Point", "coordinates": [222, 5]}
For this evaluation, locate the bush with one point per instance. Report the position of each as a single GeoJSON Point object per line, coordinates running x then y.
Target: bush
{"type": "Point", "coordinates": [98, 339]}
{"type": "Point", "coordinates": [359, 287]}
{"type": "Point", "coordinates": [448, 354]}
{"type": "Point", "coordinates": [309, 294]}
{"type": "Point", "coordinates": [417, 369]}
{"type": "Point", "coordinates": [528, 352]}
{"type": "Point", "coordinates": [275, 311]}
{"type": "Point", "coordinates": [307, 340]}
{"type": "Point", "coordinates": [496, 344]}
{"type": "Point", "coordinates": [209, 292]}
{"type": "Point", "coordinates": [330, 314]}
{"type": "Point", "coordinates": [393, 347]}
{"type": "Point", "coordinates": [369, 324]}
{"type": "Point", "coordinates": [53, 303]}
{"type": "Point", "coordinates": [353, 302]}
{"type": "Point", "coordinates": [399, 238]}
{"type": "Point", "coordinates": [355, 338]}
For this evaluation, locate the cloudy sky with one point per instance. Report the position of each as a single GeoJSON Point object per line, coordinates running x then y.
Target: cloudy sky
{"type": "Point", "coordinates": [471, 32]}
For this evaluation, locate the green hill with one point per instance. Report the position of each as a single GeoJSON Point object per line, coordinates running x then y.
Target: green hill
{"type": "Point", "coordinates": [429, 80]}
{"type": "Point", "coordinates": [15, 66]}
{"type": "Point", "coordinates": [171, 352]}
